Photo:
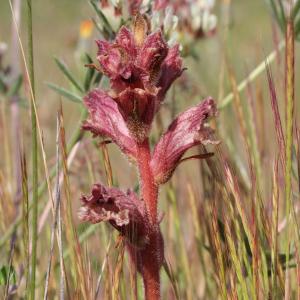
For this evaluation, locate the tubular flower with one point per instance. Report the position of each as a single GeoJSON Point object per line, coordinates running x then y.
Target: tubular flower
{"type": "Point", "coordinates": [106, 120]}
{"type": "Point", "coordinates": [187, 130]}
{"type": "Point", "coordinates": [124, 211]}
{"type": "Point", "coordinates": [141, 68]}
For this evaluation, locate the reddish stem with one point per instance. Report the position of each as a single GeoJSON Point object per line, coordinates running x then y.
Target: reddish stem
{"type": "Point", "coordinates": [149, 189]}
{"type": "Point", "coordinates": [151, 255]}
{"type": "Point", "coordinates": [150, 270]}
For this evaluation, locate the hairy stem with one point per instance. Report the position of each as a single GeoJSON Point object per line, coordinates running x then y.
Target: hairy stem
{"type": "Point", "coordinates": [153, 252]}
{"type": "Point", "coordinates": [150, 273]}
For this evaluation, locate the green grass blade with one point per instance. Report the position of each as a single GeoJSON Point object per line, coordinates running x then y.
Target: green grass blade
{"type": "Point", "coordinates": [289, 94]}
{"type": "Point", "coordinates": [64, 68]}
{"type": "Point", "coordinates": [89, 74]}
{"type": "Point", "coordinates": [34, 149]}
{"type": "Point", "coordinates": [65, 93]}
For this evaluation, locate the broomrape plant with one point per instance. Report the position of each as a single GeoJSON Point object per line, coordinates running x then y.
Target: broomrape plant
{"type": "Point", "coordinates": [141, 68]}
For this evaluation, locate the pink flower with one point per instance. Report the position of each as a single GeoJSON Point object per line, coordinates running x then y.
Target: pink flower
{"type": "Point", "coordinates": [171, 69]}
{"type": "Point", "coordinates": [141, 68]}
{"type": "Point", "coordinates": [106, 120]}
{"type": "Point", "coordinates": [124, 211]}
{"type": "Point", "coordinates": [187, 130]}
{"type": "Point", "coordinates": [138, 102]}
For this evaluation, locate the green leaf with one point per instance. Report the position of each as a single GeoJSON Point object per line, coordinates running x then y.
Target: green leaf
{"type": "Point", "coordinates": [65, 93]}
{"type": "Point", "coordinates": [106, 25]}
{"type": "Point", "coordinates": [282, 14]}
{"type": "Point", "coordinates": [296, 9]}
{"type": "Point", "coordinates": [277, 14]}
{"type": "Point", "coordinates": [64, 68]}
{"type": "Point", "coordinates": [89, 74]}
{"type": "Point", "coordinates": [15, 87]}
{"type": "Point", "coordinates": [97, 78]}
{"type": "Point", "coordinates": [297, 29]}
{"type": "Point", "coordinates": [5, 272]}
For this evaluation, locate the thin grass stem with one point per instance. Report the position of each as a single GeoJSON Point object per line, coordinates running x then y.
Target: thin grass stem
{"type": "Point", "coordinates": [34, 150]}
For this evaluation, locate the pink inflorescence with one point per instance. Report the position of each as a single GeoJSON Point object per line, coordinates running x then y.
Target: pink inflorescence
{"type": "Point", "coordinates": [141, 68]}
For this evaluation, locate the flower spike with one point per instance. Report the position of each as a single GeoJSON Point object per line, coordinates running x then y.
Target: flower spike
{"type": "Point", "coordinates": [141, 68]}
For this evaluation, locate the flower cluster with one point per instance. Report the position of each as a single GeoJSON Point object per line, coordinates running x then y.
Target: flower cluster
{"type": "Point", "coordinates": [195, 16]}
{"type": "Point", "coordinates": [141, 68]}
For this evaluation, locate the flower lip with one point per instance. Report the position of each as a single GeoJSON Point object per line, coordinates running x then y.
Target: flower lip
{"type": "Point", "coordinates": [106, 120]}
{"type": "Point", "coordinates": [189, 129]}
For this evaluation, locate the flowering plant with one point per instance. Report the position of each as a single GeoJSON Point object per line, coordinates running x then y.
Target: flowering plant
{"type": "Point", "coordinates": [141, 68]}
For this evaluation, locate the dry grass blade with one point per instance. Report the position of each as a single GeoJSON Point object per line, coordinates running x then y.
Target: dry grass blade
{"type": "Point", "coordinates": [102, 269]}
{"type": "Point", "coordinates": [234, 189]}
{"type": "Point", "coordinates": [276, 116]}
{"type": "Point", "coordinates": [47, 209]}
{"type": "Point", "coordinates": [118, 271]}
{"type": "Point", "coordinates": [182, 245]}
{"type": "Point", "coordinates": [275, 207]}
{"type": "Point", "coordinates": [196, 224]}
{"type": "Point", "coordinates": [235, 258]}
{"type": "Point", "coordinates": [71, 233]}
{"type": "Point", "coordinates": [55, 218]}
{"type": "Point", "coordinates": [25, 217]}
{"type": "Point", "coordinates": [242, 120]}
{"type": "Point", "coordinates": [216, 243]}
{"type": "Point", "coordinates": [289, 94]}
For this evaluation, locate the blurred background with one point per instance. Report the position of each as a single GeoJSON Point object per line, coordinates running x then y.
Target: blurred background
{"type": "Point", "coordinates": [62, 29]}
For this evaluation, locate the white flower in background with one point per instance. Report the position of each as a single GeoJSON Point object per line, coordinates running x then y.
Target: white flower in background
{"type": "Point", "coordinates": [206, 4]}
{"type": "Point", "coordinates": [201, 16]}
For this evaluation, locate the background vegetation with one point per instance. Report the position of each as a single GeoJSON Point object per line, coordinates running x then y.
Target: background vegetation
{"type": "Point", "coordinates": [225, 224]}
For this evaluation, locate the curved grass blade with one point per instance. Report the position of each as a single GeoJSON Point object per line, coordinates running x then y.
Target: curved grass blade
{"type": "Point", "coordinates": [64, 68]}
